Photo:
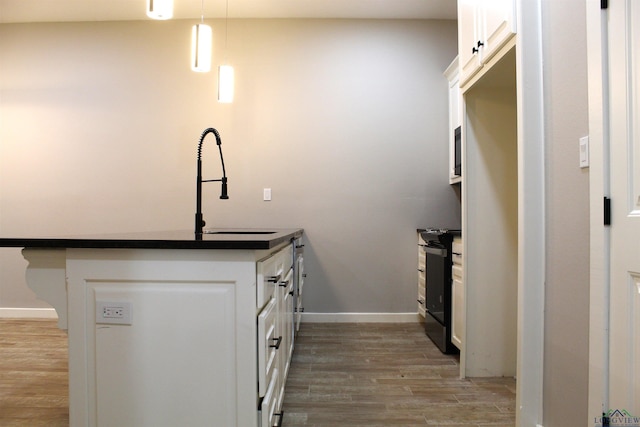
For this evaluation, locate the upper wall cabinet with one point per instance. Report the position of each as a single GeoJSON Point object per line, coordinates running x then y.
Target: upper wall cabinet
{"type": "Point", "coordinates": [455, 122]}
{"type": "Point", "coordinates": [484, 26]}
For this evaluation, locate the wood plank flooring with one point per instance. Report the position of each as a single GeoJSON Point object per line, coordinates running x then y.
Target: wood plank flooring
{"type": "Point", "coordinates": [341, 375]}
{"type": "Point", "coordinates": [34, 384]}
{"type": "Point", "coordinates": [386, 375]}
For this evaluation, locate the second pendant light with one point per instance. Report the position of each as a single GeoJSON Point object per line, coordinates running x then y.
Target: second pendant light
{"type": "Point", "coordinates": [201, 43]}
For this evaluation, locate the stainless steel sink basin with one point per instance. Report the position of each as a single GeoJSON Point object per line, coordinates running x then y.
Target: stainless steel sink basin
{"type": "Point", "coordinates": [238, 232]}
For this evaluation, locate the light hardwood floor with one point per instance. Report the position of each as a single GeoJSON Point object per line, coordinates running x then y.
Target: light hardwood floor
{"type": "Point", "coordinates": [33, 374]}
{"type": "Point", "coordinates": [341, 375]}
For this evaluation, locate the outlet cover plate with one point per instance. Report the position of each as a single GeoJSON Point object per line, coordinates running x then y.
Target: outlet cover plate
{"type": "Point", "coordinates": [114, 312]}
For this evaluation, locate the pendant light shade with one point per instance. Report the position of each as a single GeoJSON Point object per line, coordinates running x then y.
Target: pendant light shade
{"type": "Point", "coordinates": [201, 41]}
{"type": "Point", "coordinates": [225, 83]}
{"type": "Point", "coordinates": [160, 9]}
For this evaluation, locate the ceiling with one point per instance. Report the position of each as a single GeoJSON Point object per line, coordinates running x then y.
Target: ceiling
{"type": "Point", "coordinates": [125, 10]}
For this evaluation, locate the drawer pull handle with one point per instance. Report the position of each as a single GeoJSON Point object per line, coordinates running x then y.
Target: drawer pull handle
{"type": "Point", "coordinates": [291, 293]}
{"type": "Point", "coordinates": [421, 270]}
{"type": "Point", "coordinates": [421, 301]}
{"type": "Point", "coordinates": [283, 284]}
{"type": "Point", "coordinates": [274, 279]}
{"type": "Point", "coordinates": [277, 344]}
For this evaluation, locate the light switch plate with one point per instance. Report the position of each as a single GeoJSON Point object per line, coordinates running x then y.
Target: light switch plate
{"type": "Point", "coordinates": [266, 194]}
{"type": "Point", "coordinates": [584, 152]}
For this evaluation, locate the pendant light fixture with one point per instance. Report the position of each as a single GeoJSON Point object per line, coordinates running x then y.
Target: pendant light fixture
{"type": "Point", "coordinates": [160, 9]}
{"type": "Point", "coordinates": [201, 41]}
{"type": "Point", "coordinates": [225, 72]}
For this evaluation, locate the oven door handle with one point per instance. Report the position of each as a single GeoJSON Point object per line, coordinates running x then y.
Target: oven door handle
{"type": "Point", "coordinates": [435, 251]}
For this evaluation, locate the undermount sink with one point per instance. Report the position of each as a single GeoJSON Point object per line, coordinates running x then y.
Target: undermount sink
{"type": "Point", "coordinates": [238, 232]}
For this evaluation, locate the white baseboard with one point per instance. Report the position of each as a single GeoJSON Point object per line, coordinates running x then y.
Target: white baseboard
{"type": "Point", "coordinates": [360, 317]}
{"type": "Point", "coordinates": [50, 313]}
{"type": "Point", "coordinates": [28, 313]}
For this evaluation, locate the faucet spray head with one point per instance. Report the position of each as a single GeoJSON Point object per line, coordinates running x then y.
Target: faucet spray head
{"type": "Point", "coordinates": [223, 194]}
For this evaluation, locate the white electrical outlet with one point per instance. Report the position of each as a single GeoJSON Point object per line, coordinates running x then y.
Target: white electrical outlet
{"type": "Point", "coordinates": [119, 313]}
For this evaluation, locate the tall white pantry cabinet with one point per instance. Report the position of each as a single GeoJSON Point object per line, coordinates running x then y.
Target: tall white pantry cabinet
{"type": "Point", "coordinates": [207, 336]}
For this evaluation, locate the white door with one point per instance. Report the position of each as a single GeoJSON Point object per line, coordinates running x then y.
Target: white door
{"type": "Point", "coordinates": [624, 140]}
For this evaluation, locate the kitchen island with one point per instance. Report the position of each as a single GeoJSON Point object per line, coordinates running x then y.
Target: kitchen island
{"type": "Point", "coordinates": [167, 330]}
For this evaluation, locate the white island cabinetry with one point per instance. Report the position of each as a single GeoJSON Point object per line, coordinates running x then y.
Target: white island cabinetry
{"type": "Point", "coordinates": [458, 302]}
{"type": "Point", "coordinates": [422, 271]}
{"type": "Point", "coordinates": [167, 337]}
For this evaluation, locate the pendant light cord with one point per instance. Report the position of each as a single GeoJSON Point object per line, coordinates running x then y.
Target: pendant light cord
{"type": "Point", "coordinates": [202, 12]}
{"type": "Point", "coordinates": [226, 28]}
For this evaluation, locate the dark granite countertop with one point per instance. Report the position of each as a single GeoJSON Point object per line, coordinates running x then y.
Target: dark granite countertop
{"type": "Point", "coordinates": [237, 238]}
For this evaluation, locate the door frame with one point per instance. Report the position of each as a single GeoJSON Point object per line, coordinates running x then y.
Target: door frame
{"type": "Point", "coordinates": [531, 213]}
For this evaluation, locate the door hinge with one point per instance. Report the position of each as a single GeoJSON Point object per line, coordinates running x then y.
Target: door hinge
{"type": "Point", "coordinates": [604, 4]}
{"type": "Point", "coordinates": [607, 211]}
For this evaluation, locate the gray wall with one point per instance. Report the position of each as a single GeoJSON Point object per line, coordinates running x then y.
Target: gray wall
{"type": "Point", "coordinates": [346, 121]}
{"type": "Point", "coordinates": [567, 286]}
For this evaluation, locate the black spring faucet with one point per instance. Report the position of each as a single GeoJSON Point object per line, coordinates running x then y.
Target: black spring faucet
{"type": "Point", "coordinates": [199, 221]}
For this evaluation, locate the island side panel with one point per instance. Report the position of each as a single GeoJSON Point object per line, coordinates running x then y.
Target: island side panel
{"type": "Point", "coordinates": [189, 352]}
{"type": "Point", "coordinates": [45, 276]}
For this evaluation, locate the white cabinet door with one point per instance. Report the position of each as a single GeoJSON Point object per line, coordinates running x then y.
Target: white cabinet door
{"type": "Point", "coordinates": [267, 408]}
{"type": "Point", "coordinates": [457, 312]}
{"type": "Point", "coordinates": [286, 319]}
{"type": "Point", "coordinates": [299, 308]}
{"type": "Point", "coordinates": [455, 115]}
{"type": "Point", "coordinates": [497, 24]}
{"type": "Point", "coordinates": [457, 292]}
{"type": "Point", "coordinates": [484, 26]}
{"type": "Point", "coordinates": [268, 343]}
{"type": "Point", "coordinates": [468, 36]}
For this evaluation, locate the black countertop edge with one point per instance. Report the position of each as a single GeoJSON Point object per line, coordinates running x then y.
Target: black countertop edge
{"type": "Point", "coordinates": [453, 232]}
{"type": "Point", "coordinates": [160, 240]}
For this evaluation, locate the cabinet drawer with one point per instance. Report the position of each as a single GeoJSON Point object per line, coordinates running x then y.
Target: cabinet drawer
{"type": "Point", "coordinates": [458, 315]}
{"type": "Point", "coordinates": [270, 271]}
{"type": "Point", "coordinates": [456, 251]}
{"type": "Point", "coordinates": [422, 298]}
{"type": "Point", "coordinates": [287, 281]}
{"type": "Point", "coordinates": [267, 410]}
{"type": "Point", "coordinates": [456, 246]}
{"type": "Point", "coordinates": [269, 274]}
{"type": "Point", "coordinates": [456, 272]}
{"type": "Point", "coordinates": [287, 257]}
{"type": "Point", "coordinates": [268, 345]}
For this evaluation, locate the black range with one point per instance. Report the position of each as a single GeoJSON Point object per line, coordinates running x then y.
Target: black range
{"type": "Point", "coordinates": [437, 250]}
